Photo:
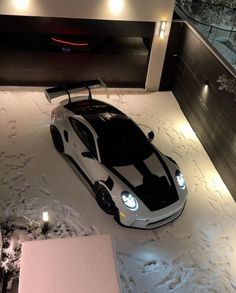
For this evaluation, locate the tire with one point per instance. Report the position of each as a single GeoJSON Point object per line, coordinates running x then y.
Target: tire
{"type": "Point", "coordinates": [57, 139]}
{"type": "Point", "coordinates": [105, 201]}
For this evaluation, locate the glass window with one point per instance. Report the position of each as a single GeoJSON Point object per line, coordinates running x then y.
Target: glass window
{"type": "Point", "coordinates": [84, 134]}
{"type": "Point", "coordinates": [123, 143]}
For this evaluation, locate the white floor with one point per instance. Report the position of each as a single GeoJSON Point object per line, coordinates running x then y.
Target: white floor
{"type": "Point", "coordinates": [195, 253]}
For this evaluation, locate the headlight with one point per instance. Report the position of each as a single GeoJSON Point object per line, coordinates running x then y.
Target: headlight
{"type": "Point", "coordinates": [180, 179]}
{"type": "Point", "coordinates": [129, 200]}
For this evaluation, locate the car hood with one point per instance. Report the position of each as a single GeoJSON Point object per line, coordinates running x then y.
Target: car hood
{"type": "Point", "coordinates": [150, 180]}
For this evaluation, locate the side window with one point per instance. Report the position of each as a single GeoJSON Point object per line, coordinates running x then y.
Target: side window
{"type": "Point", "coordinates": [84, 134]}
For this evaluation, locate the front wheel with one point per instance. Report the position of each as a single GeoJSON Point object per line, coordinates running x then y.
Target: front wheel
{"type": "Point", "coordinates": [105, 201]}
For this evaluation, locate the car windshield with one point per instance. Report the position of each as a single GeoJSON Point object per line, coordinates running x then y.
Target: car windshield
{"type": "Point", "coordinates": [123, 143]}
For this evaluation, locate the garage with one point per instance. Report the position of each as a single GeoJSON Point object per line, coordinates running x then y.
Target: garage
{"type": "Point", "coordinates": [46, 44]}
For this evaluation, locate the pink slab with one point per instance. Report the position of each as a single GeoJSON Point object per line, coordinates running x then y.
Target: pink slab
{"type": "Point", "coordinates": [85, 264]}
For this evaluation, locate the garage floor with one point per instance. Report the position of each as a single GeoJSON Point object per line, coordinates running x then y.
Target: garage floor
{"type": "Point", "coordinates": [195, 253]}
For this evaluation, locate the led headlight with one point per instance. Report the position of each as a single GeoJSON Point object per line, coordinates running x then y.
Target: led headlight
{"type": "Point", "coordinates": [180, 179]}
{"type": "Point", "coordinates": [129, 200]}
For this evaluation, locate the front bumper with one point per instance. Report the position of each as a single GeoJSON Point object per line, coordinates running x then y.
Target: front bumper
{"type": "Point", "coordinates": [150, 223]}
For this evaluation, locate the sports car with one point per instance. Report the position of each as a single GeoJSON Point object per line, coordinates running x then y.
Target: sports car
{"type": "Point", "coordinates": [131, 179]}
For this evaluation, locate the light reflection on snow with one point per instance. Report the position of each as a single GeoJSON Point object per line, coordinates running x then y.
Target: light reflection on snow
{"type": "Point", "coordinates": [186, 130]}
{"type": "Point", "coordinates": [216, 181]}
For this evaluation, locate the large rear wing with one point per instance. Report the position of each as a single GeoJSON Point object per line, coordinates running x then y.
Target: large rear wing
{"type": "Point", "coordinates": [54, 92]}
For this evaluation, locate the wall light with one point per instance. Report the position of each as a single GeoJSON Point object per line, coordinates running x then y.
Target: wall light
{"type": "Point", "coordinates": [116, 6]}
{"type": "Point", "coordinates": [162, 29]}
{"type": "Point", "coordinates": [21, 4]}
{"type": "Point", "coordinates": [205, 90]}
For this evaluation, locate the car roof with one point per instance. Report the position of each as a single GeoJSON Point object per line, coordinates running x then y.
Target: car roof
{"type": "Point", "coordinates": [85, 107]}
{"type": "Point", "coordinates": [103, 117]}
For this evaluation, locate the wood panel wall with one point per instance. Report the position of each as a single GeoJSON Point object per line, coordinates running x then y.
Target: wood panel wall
{"type": "Point", "coordinates": [211, 111]}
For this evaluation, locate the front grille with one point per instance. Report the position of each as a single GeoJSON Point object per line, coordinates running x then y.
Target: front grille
{"type": "Point", "coordinates": [165, 220]}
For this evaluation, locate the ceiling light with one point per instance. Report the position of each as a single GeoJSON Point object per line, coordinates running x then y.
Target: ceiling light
{"type": "Point", "coordinates": [21, 4]}
{"type": "Point", "coordinates": [116, 6]}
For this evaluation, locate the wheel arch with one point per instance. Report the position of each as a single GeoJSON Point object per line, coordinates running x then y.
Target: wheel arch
{"type": "Point", "coordinates": [57, 138]}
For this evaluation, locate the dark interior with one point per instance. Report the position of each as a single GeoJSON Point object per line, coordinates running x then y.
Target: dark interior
{"type": "Point", "coordinates": [49, 51]}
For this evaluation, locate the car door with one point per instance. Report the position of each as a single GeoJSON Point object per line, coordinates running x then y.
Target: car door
{"type": "Point", "coordinates": [84, 151]}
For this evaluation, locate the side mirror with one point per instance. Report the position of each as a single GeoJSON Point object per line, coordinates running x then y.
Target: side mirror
{"type": "Point", "coordinates": [87, 155]}
{"type": "Point", "coordinates": [150, 136]}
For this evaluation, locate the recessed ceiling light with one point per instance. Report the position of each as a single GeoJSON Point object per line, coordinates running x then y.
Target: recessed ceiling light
{"type": "Point", "coordinates": [116, 6]}
{"type": "Point", "coordinates": [21, 4]}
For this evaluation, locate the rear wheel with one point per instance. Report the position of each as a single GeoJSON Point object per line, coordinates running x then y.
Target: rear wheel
{"type": "Point", "coordinates": [57, 139]}
{"type": "Point", "coordinates": [105, 201]}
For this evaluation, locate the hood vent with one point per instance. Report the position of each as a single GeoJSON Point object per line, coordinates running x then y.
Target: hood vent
{"type": "Point", "coordinates": [156, 193]}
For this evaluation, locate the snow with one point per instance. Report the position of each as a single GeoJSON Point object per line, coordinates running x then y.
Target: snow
{"type": "Point", "coordinates": [221, 40]}
{"type": "Point", "coordinates": [195, 253]}
{"type": "Point", "coordinates": [215, 24]}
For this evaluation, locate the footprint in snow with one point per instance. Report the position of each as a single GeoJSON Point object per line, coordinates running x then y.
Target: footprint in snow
{"type": "Point", "coordinates": [45, 179]}
{"type": "Point", "coordinates": [44, 191]}
{"type": "Point", "coordinates": [151, 266]}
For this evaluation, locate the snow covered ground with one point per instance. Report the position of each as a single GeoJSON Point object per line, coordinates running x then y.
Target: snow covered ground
{"type": "Point", "coordinates": [215, 24]}
{"type": "Point", "coordinates": [221, 40]}
{"type": "Point", "coordinates": [195, 253]}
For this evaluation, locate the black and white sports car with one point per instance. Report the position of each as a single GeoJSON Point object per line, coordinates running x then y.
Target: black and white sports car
{"type": "Point", "coordinates": [131, 178]}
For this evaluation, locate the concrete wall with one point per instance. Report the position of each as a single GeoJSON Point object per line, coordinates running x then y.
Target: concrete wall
{"type": "Point", "coordinates": [137, 10]}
